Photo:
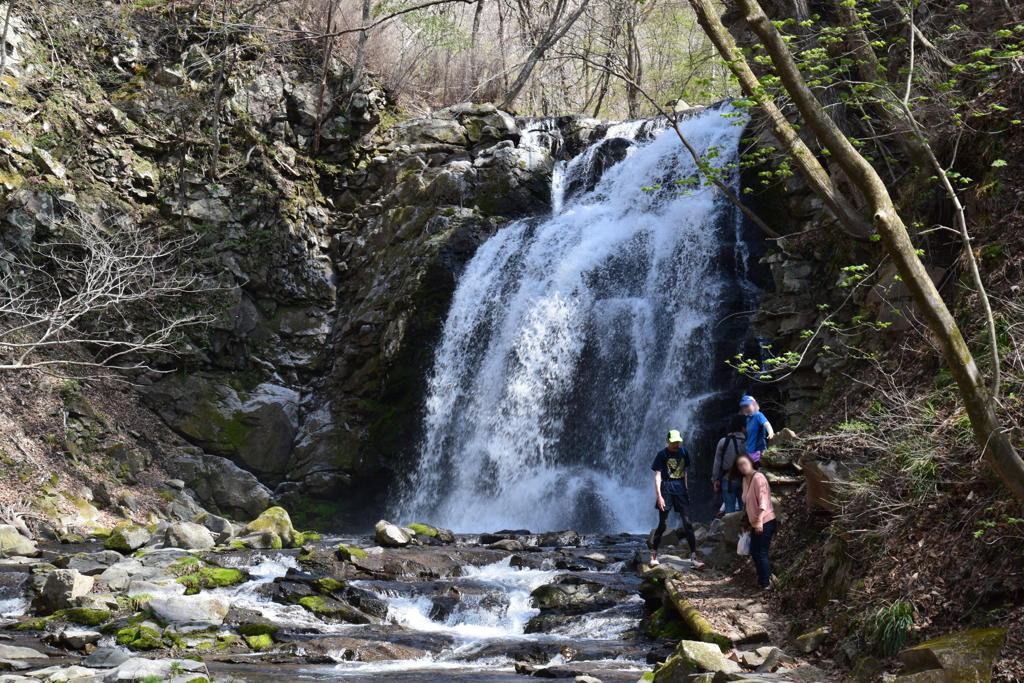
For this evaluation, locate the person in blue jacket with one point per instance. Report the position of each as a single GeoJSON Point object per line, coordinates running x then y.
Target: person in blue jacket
{"type": "Point", "coordinates": [759, 429]}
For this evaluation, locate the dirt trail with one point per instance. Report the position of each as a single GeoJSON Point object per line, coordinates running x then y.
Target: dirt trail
{"type": "Point", "coordinates": [729, 600]}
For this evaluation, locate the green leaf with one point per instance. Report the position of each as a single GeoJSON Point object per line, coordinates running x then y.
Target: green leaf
{"type": "Point", "coordinates": [998, 163]}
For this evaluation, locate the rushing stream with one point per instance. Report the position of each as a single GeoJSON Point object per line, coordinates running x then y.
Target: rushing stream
{"type": "Point", "coordinates": [575, 341]}
{"type": "Point", "coordinates": [473, 625]}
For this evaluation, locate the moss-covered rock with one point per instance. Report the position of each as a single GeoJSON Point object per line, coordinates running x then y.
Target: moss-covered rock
{"type": "Point", "coordinates": [694, 657]}
{"type": "Point", "coordinates": [210, 577]}
{"type": "Point", "coordinates": [261, 641]}
{"type": "Point", "coordinates": [329, 608]}
{"type": "Point", "coordinates": [84, 616]}
{"type": "Point", "coordinates": [38, 624]}
{"type": "Point", "coordinates": [274, 520]}
{"type": "Point", "coordinates": [127, 538]}
{"type": "Point", "coordinates": [328, 584]}
{"type": "Point", "coordinates": [140, 637]}
{"type": "Point", "coordinates": [960, 657]}
{"type": "Point", "coordinates": [423, 529]}
{"type": "Point", "coordinates": [304, 537]}
{"type": "Point", "coordinates": [258, 629]}
{"type": "Point", "coordinates": [349, 553]}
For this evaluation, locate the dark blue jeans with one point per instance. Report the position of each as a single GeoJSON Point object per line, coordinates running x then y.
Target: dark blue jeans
{"type": "Point", "coordinates": [759, 544]}
{"type": "Point", "coordinates": [732, 490]}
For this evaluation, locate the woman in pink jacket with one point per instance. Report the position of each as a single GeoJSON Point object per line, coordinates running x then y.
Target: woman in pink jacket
{"type": "Point", "coordinates": [757, 501]}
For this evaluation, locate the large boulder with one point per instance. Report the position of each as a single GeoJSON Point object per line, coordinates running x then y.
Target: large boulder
{"type": "Point", "coordinates": [61, 588]}
{"type": "Point", "coordinates": [140, 669]}
{"type": "Point", "coordinates": [275, 520]}
{"type": "Point", "coordinates": [391, 535]}
{"type": "Point", "coordinates": [960, 657]}
{"type": "Point", "coordinates": [221, 485]}
{"type": "Point", "coordinates": [222, 529]}
{"type": "Point", "coordinates": [430, 131]}
{"type": "Point", "coordinates": [18, 652]}
{"type": "Point", "coordinates": [128, 538]}
{"type": "Point", "coordinates": [254, 428]}
{"type": "Point", "coordinates": [13, 543]}
{"type": "Point", "coordinates": [190, 609]}
{"type": "Point", "coordinates": [107, 657]}
{"type": "Point", "coordinates": [694, 657]}
{"type": "Point", "coordinates": [189, 535]}
{"type": "Point", "coordinates": [90, 564]}
{"type": "Point", "coordinates": [731, 525]}
{"type": "Point", "coordinates": [572, 593]}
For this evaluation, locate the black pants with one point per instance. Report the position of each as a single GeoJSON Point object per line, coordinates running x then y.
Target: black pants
{"type": "Point", "coordinates": [759, 546]}
{"type": "Point", "coordinates": [675, 499]}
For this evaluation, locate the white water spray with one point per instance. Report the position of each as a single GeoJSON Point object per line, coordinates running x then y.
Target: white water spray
{"type": "Point", "coordinates": [575, 342]}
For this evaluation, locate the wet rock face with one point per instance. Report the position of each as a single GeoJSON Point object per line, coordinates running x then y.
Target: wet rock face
{"type": "Point", "coordinates": [315, 368]}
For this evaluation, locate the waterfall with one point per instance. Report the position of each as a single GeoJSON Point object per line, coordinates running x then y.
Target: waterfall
{"type": "Point", "coordinates": [575, 341]}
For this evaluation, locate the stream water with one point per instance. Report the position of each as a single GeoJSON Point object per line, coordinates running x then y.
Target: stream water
{"type": "Point", "coordinates": [471, 626]}
{"type": "Point", "coordinates": [576, 340]}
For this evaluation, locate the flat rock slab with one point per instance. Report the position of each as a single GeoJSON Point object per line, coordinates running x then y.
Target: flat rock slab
{"type": "Point", "coordinates": [18, 652]}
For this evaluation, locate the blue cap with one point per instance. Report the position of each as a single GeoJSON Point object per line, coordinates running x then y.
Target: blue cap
{"type": "Point", "coordinates": [747, 401]}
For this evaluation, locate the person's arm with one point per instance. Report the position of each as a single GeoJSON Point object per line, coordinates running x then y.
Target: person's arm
{"type": "Point", "coordinates": [657, 490]}
{"type": "Point", "coordinates": [716, 468]}
{"type": "Point", "coordinates": [762, 497]}
{"type": "Point", "coordinates": [769, 433]}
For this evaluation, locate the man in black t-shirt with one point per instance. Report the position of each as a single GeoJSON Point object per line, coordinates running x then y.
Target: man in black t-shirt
{"type": "Point", "coordinates": [670, 467]}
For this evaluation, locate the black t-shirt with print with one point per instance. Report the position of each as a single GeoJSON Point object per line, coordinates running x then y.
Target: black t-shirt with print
{"type": "Point", "coordinates": [672, 464]}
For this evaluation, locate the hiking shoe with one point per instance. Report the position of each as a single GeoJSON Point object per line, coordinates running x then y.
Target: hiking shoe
{"type": "Point", "coordinates": [695, 561]}
{"type": "Point", "coordinates": [720, 514]}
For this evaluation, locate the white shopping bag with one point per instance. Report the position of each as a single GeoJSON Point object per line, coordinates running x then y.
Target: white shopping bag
{"type": "Point", "coordinates": [743, 544]}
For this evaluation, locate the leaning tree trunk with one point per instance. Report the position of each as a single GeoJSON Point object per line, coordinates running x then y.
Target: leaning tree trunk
{"type": "Point", "coordinates": [996, 446]}
{"type": "Point", "coordinates": [852, 222]}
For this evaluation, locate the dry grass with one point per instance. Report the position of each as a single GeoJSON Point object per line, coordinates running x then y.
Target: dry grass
{"type": "Point", "coordinates": [41, 480]}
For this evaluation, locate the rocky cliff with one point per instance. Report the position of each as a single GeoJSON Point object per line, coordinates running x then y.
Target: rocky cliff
{"type": "Point", "coordinates": [329, 271]}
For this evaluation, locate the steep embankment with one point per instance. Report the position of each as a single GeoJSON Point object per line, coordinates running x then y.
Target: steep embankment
{"type": "Point", "coordinates": [901, 532]}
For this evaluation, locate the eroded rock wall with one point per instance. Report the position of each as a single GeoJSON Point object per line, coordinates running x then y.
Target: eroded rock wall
{"type": "Point", "coordinates": [329, 271]}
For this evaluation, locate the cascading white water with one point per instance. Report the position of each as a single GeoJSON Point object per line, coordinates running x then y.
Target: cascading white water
{"type": "Point", "coordinates": [573, 344]}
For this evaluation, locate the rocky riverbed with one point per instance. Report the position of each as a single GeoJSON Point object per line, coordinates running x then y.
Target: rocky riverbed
{"type": "Point", "coordinates": [215, 600]}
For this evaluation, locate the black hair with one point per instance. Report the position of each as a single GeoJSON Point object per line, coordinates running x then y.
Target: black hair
{"type": "Point", "coordinates": [735, 473]}
{"type": "Point", "coordinates": [739, 423]}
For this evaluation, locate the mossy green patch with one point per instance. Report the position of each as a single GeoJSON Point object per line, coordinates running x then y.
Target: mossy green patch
{"type": "Point", "coordinates": [29, 625]}
{"type": "Point", "coordinates": [84, 616]}
{"type": "Point", "coordinates": [210, 577]}
{"type": "Point", "coordinates": [140, 638]}
{"type": "Point", "coordinates": [260, 642]}
{"type": "Point", "coordinates": [303, 537]}
{"type": "Point", "coordinates": [257, 629]}
{"type": "Point", "coordinates": [423, 529]}
{"type": "Point", "coordinates": [328, 584]}
{"type": "Point", "coordinates": [665, 624]}
{"type": "Point", "coordinates": [314, 603]}
{"type": "Point", "coordinates": [348, 553]}
{"type": "Point", "coordinates": [117, 541]}
{"type": "Point", "coordinates": [275, 520]}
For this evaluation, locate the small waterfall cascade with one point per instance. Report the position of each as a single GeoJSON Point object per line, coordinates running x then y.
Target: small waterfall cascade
{"type": "Point", "coordinates": [576, 340]}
